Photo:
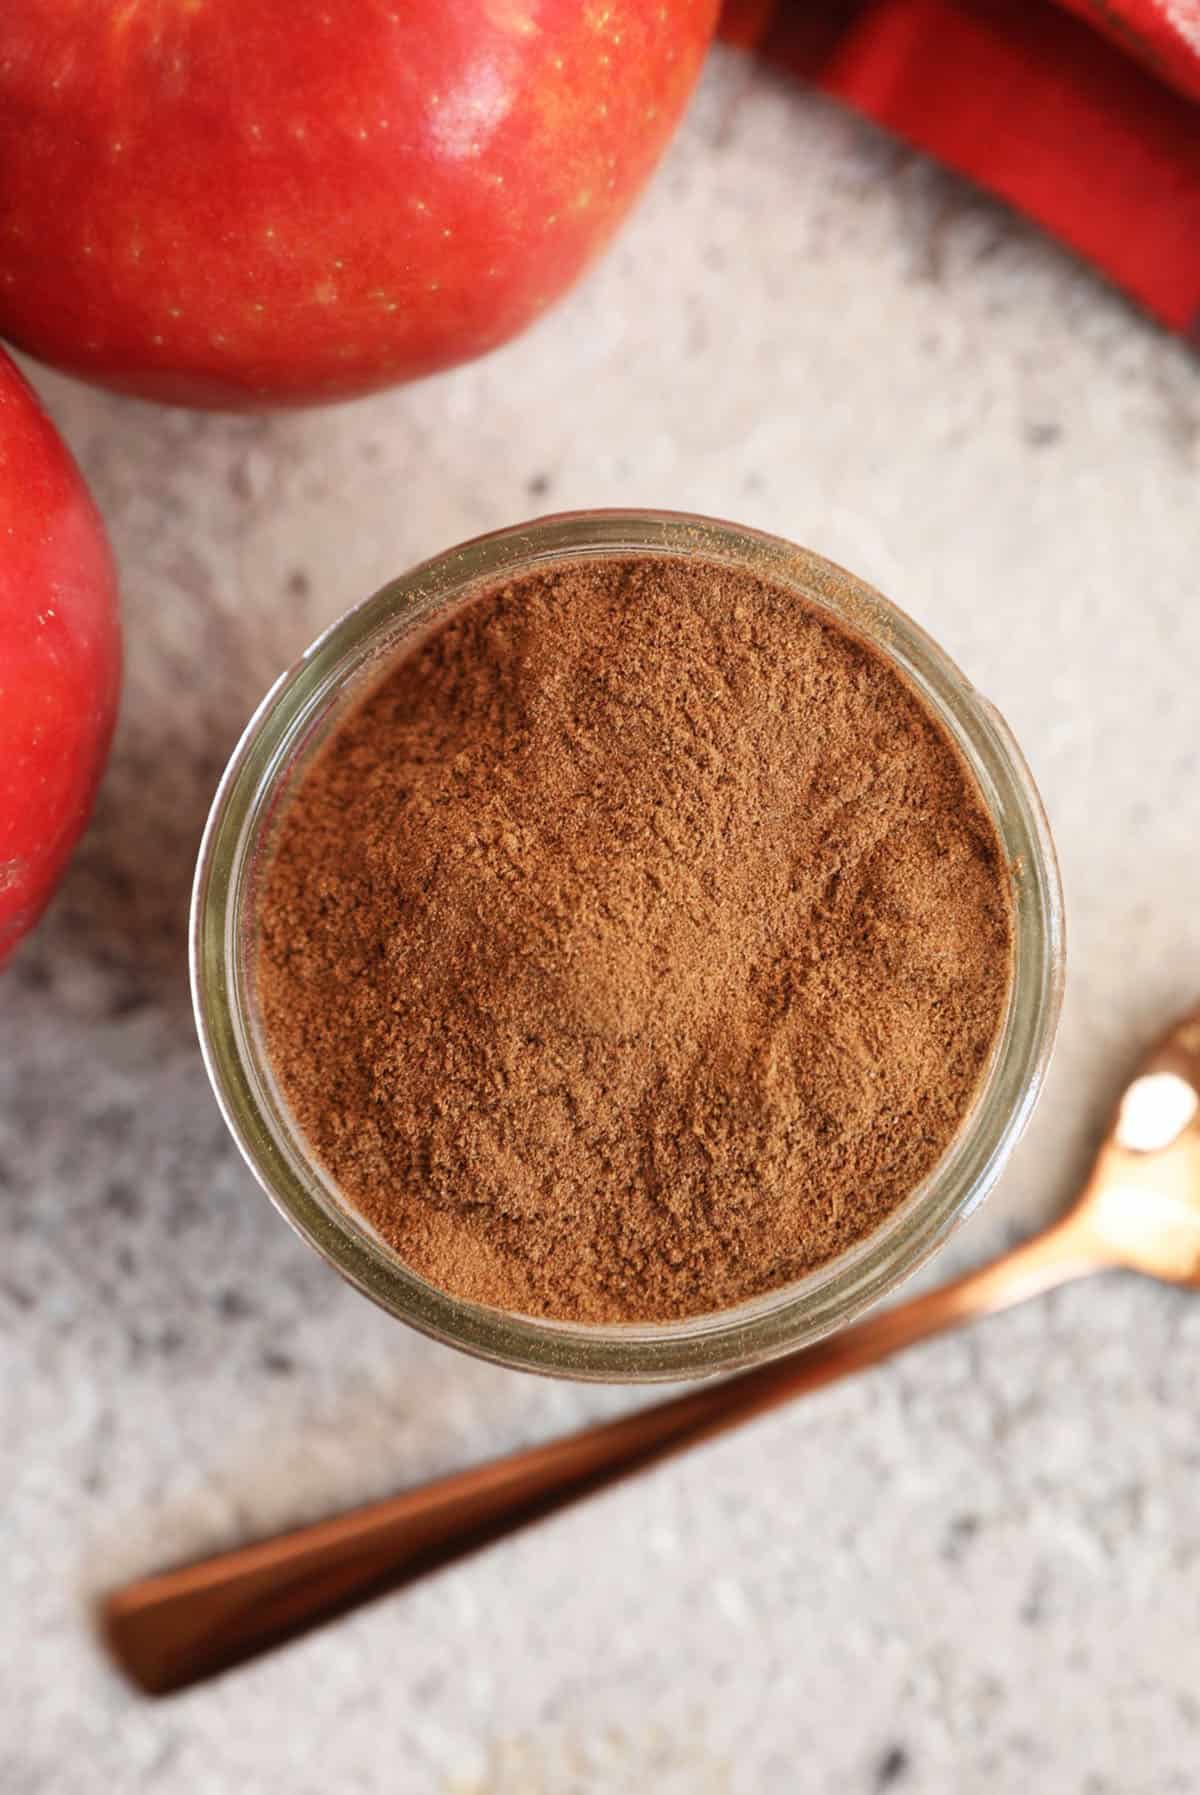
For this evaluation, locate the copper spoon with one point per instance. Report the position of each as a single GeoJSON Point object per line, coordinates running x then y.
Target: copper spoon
{"type": "Point", "coordinates": [1140, 1209]}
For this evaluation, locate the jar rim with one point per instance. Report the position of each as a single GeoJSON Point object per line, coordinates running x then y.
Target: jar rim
{"type": "Point", "coordinates": [304, 702]}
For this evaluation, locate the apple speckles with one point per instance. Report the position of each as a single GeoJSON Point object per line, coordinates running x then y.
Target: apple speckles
{"type": "Point", "coordinates": [519, 109]}
{"type": "Point", "coordinates": [510, 15]}
{"type": "Point", "coordinates": [173, 311]}
{"type": "Point", "coordinates": [124, 16]}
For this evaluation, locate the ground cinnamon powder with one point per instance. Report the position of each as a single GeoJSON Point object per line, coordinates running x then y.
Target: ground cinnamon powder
{"type": "Point", "coordinates": [636, 946]}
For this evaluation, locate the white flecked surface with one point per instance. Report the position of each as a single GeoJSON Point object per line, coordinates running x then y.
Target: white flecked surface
{"type": "Point", "coordinates": [977, 1569]}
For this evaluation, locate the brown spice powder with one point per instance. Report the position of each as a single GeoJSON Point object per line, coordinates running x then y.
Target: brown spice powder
{"type": "Point", "coordinates": [636, 946]}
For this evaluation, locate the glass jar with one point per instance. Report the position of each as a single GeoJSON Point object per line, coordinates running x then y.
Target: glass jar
{"type": "Point", "coordinates": [296, 717]}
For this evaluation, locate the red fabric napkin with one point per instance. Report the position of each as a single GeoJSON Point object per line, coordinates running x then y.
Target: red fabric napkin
{"type": "Point", "coordinates": [1084, 113]}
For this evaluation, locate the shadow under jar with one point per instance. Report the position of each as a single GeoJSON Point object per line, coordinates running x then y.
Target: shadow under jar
{"type": "Point", "coordinates": [302, 715]}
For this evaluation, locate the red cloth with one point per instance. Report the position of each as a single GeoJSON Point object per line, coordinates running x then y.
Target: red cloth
{"type": "Point", "coordinates": [1093, 132]}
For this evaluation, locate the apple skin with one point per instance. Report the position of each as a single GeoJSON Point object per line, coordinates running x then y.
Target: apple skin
{"type": "Point", "coordinates": [248, 203]}
{"type": "Point", "coordinates": [60, 656]}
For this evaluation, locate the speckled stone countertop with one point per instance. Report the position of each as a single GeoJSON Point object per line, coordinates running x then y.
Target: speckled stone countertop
{"type": "Point", "coordinates": [975, 1570]}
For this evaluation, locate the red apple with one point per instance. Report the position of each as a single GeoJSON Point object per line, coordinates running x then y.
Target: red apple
{"type": "Point", "coordinates": [250, 202]}
{"type": "Point", "coordinates": [60, 656]}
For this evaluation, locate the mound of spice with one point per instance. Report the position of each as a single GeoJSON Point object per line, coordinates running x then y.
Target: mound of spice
{"type": "Point", "coordinates": [636, 946]}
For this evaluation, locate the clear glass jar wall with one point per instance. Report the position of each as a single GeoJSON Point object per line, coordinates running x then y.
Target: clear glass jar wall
{"type": "Point", "coordinates": [297, 715]}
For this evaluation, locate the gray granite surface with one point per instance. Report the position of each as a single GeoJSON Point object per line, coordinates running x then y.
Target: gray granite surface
{"type": "Point", "coordinates": [975, 1570]}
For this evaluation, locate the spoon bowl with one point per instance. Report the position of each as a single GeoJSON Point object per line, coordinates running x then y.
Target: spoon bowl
{"type": "Point", "coordinates": [1141, 1204]}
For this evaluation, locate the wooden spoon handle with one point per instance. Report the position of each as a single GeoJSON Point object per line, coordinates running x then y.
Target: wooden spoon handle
{"type": "Point", "coordinates": [184, 1625]}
